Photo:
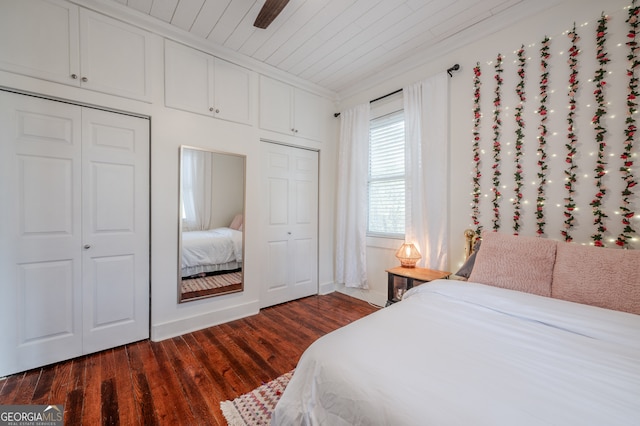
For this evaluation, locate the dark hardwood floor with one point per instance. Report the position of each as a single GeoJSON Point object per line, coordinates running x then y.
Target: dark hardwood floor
{"type": "Point", "coordinates": [181, 381]}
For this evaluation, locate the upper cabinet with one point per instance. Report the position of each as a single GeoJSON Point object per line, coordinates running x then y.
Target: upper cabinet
{"type": "Point", "coordinates": [201, 83]}
{"type": "Point", "coordinates": [60, 42]}
{"type": "Point", "coordinates": [287, 109]}
{"type": "Point", "coordinates": [114, 57]}
{"type": "Point", "coordinates": [40, 39]}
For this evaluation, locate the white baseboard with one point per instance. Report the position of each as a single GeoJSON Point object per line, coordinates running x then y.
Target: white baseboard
{"type": "Point", "coordinates": [326, 288]}
{"type": "Point", "coordinates": [196, 322]}
{"type": "Point", "coordinates": [369, 296]}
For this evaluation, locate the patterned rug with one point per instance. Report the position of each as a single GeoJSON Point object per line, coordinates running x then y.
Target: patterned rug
{"type": "Point", "coordinates": [255, 408]}
{"type": "Point", "coordinates": [210, 282]}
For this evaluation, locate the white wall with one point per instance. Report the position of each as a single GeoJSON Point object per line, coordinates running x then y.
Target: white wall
{"type": "Point", "coordinates": [171, 128]}
{"type": "Point", "coordinates": [529, 32]}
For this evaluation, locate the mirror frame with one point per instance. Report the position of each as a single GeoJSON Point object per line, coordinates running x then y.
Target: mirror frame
{"type": "Point", "coordinates": [180, 224]}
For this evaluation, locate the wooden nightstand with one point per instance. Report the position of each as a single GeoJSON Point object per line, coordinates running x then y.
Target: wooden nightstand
{"type": "Point", "coordinates": [402, 279]}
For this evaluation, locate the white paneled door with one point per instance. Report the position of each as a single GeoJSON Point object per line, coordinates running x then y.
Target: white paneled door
{"type": "Point", "coordinates": [74, 233]}
{"type": "Point", "coordinates": [115, 222]}
{"type": "Point", "coordinates": [290, 223]}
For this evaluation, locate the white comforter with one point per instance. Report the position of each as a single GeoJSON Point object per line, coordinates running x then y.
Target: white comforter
{"type": "Point", "coordinates": [454, 353]}
{"type": "Point", "coordinates": [211, 247]}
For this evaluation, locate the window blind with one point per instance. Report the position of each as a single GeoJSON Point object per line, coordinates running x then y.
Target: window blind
{"type": "Point", "coordinates": [387, 175]}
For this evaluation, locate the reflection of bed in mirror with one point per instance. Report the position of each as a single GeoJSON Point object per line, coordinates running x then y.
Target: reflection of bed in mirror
{"type": "Point", "coordinates": [211, 228]}
{"type": "Point", "coordinates": [211, 262]}
{"type": "Point", "coordinates": [213, 250]}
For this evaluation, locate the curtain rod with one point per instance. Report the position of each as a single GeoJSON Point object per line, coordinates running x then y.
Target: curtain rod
{"type": "Point", "coordinates": [455, 67]}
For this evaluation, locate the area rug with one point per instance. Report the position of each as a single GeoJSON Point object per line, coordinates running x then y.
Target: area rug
{"type": "Point", "coordinates": [210, 282]}
{"type": "Point", "coordinates": [255, 408]}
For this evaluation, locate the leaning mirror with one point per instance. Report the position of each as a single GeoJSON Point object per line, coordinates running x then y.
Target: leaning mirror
{"type": "Point", "coordinates": [211, 229]}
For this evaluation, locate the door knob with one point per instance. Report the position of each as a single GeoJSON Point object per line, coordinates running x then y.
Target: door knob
{"type": "Point", "coordinates": [87, 246]}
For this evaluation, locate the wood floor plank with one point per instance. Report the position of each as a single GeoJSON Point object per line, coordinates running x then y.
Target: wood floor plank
{"type": "Point", "coordinates": [91, 391]}
{"type": "Point", "coordinates": [10, 387]}
{"type": "Point", "coordinates": [60, 386]}
{"type": "Point", "coordinates": [127, 411]}
{"type": "Point", "coordinates": [27, 385]}
{"type": "Point", "coordinates": [167, 372]}
{"type": "Point", "coordinates": [43, 388]}
{"type": "Point", "coordinates": [184, 379]}
{"type": "Point", "coordinates": [195, 382]}
{"type": "Point", "coordinates": [144, 368]}
{"type": "Point", "coordinates": [217, 364]}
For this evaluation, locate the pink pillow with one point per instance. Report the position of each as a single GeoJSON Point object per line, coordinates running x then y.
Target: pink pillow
{"type": "Point", "coordinates": [604, 277]}
{"type": "Point", "coordinates": [515, 262]}
{"type": "Point", "coordinates": [236, 223]}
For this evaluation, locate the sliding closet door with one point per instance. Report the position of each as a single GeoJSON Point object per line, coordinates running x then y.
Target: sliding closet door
{"type": "Point", "coordinates": [40, 232]}
{"type": "Point", "coordinates": [290, 203]}
{"type": "Point", "coordinates": [115, 177]}
{"type": "Point", "coordinates": [74, 231]}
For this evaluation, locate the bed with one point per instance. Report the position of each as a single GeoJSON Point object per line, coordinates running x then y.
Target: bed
{"type": "Point", "coordinates": [503, 348]}
{"type": "Point", "coordinates": [212, 250]}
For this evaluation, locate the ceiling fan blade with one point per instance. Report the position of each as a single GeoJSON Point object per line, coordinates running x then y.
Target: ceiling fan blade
{"type": "Point", "coordinates": [270, 10]}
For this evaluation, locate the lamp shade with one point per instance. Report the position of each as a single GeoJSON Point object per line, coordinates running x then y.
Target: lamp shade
{"type": "Point", "coordinates": [408, 255]}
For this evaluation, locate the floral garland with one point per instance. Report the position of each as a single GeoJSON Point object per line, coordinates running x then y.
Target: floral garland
{"type": "Point", "coordinates": [570, 172]}
{"type": "Point", "coordinates": [597, 120]}
{"type": "Point", "coordinates": [542, 138]}
{"type": "Point", "coordinates": [475, 202]}
{"type": "Point", "coordinates": [522, 60]}
{"type": "Point", "coordinates": [497, 123]}
{"type": "Point", "coordinates": [632, 107]}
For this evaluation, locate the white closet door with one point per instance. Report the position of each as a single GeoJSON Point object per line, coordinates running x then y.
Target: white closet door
{"type": "Point", "coordinates": [290, 201]}
{"type": "Point", "coordinates": [40, 232]}
{"type": "Point", "coordinates": [116, 229]}
{"type": "Point", "coordinates": [74, 231]}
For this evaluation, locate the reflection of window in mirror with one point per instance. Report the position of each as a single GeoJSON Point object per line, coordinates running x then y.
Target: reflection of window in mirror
{"type": "Point", "coordinates": [211, 207]}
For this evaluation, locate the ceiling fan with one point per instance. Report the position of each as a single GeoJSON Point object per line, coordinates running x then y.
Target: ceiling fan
{"type": "Point", "coordinates": [270, 10]}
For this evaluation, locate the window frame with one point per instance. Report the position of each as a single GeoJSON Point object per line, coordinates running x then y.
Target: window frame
{"type": "Point", "coordinates": [386, 107]}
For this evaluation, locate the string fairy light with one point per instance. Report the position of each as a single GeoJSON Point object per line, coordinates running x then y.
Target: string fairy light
{"type": "Point", "coordinates": [477, 116]}
{"type": "Point", "coordinates": [602, 58]}
{"type": "Point", "coordinates": [570, 172]}
{"type": "Point", "coordinates": [497, 125]}
{"type": "Point", "coordinates": [542, 138]}
{"type": "Point", "coordinates": [520, 125]}
{"type": "Point", "coordinates": [632, 108]}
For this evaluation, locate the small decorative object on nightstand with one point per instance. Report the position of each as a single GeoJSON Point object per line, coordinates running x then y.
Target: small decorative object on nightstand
{"type": "Point", "coordinates": [408, 255]}
{"type": "Point", "coordinates": [401, 279]}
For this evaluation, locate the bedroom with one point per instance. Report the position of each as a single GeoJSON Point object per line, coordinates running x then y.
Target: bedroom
{"type": "Point", "coordinates": [172, 128]}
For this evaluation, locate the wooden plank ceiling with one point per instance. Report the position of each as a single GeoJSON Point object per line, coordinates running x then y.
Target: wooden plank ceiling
{"type": "Point", "coordinates": [339, 44]}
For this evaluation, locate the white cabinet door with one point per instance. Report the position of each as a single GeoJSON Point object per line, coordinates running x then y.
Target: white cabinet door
{"type": "Point", "coordinates": [232, 92]}
{"type": "Point", "coordinates": [187, 79]}
{"type": "Point", "coordinates": [114, 57]}
{"type": "Point", "coordinates": [290, 227]}
{"type": "Point", "coordinates": [115, 182]}
{"type": "Point", "coordinates": [201, 83]}
{"type": "Point", "coordinates": [287, 109]}
{"type": "Point", "coordinates": [276, 106]}
{"type": "Point", "coordinates": [74, 240]}
{"type": "Point", "coordinates": [60, 42]}
{"type": "Point", "coordinates": [39, 38]}
{"type": "Point", "coordinates": [308, 115]}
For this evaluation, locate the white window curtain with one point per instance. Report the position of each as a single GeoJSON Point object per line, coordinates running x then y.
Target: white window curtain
{"type": "Point", "coordinates": [427, 160]}
{"type": "Point", "coordinates": [351, 217]}
{"type": "Point", "coordinates": [196, 189]}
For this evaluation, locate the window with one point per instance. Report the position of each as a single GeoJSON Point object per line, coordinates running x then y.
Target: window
{"type": "Point", "coordinates": [387, 176]}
